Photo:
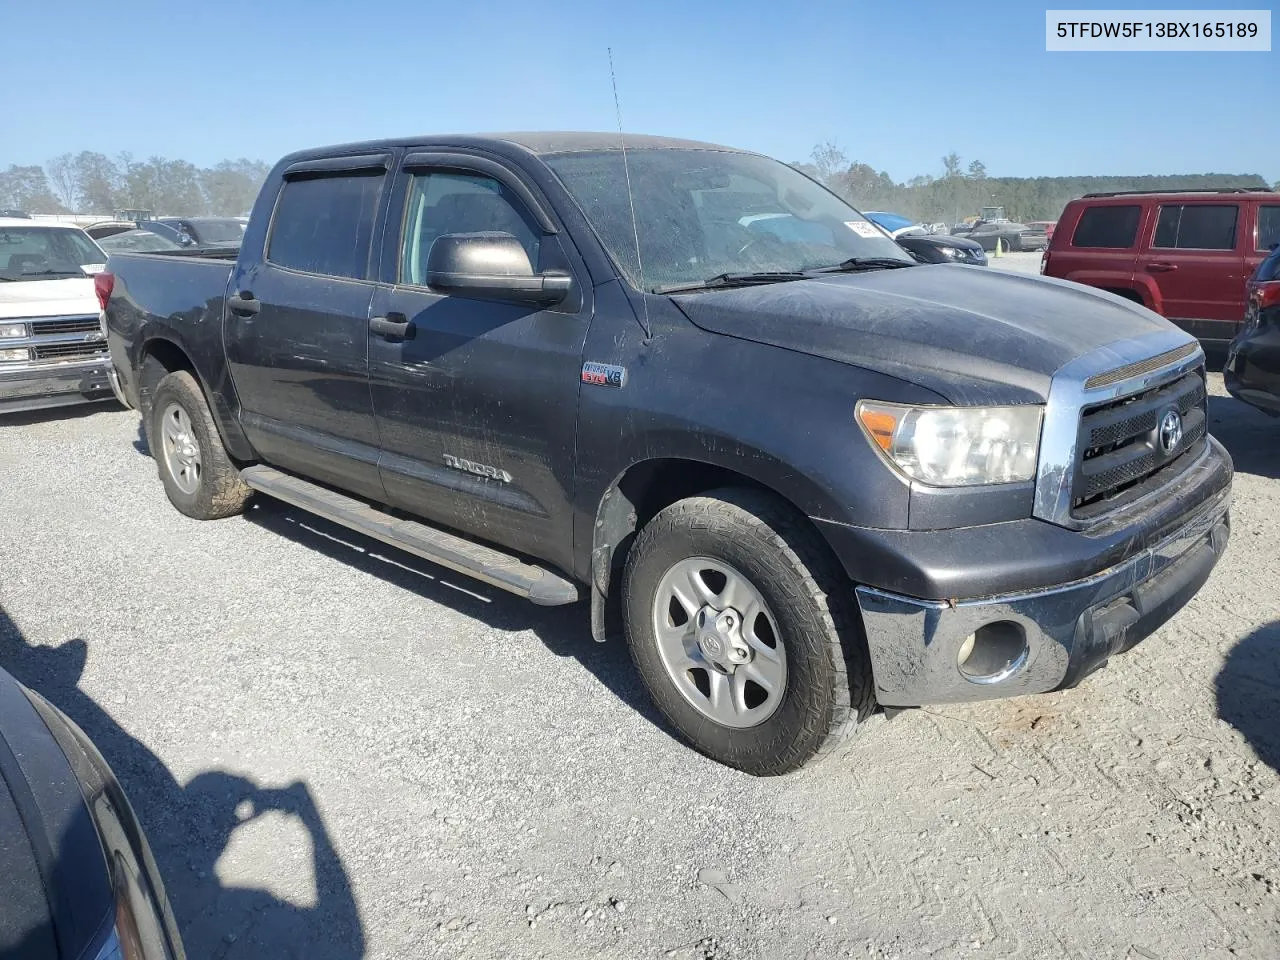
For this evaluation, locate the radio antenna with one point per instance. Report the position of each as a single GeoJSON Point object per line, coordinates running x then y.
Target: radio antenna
{"type": "Point", "coordinates": [631, 199]}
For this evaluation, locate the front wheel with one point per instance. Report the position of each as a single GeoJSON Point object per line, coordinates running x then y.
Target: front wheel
{"type": "Point", "coordinates": [198, 475]}
{"type": "Point", "coordinates": [743, 631]}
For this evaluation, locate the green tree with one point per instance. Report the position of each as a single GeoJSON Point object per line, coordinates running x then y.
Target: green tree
{"type": "Point", "coordinates": [27, 188]}
{"type": "Point", "coordinates": [231, 187]}
{"type": "Point", "coordinates": [98, 182]}
{"type": "Point", "coordinates": [978, 170]}
{"type": "Point", "coordinates": [951, 165]}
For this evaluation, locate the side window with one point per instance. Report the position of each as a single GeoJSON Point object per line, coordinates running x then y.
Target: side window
{"type": "Point", "coordinates": [441, 203]}
{"type": "Point", "coordinates": [1167, 227]}
{"type": "Point", "coordinates": [1198, 226]}
{"type": "Point", "coordinates": [1268, 226]}
{"type": "Point", "coordinates": [1107, 227]}
{"type": "Point", "coordinates": [325, 224]}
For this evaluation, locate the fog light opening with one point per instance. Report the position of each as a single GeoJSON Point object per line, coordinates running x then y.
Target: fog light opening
{"type": "Point", "coordinates": [992, 652]}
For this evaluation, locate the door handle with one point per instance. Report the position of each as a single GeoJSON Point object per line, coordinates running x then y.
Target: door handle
{"type": "Point", "coordinates": [244, 304]}
{"type": "Point", "coordinates": [394, 326]}
{"type": "Point", "coordinates": [1161, 267]}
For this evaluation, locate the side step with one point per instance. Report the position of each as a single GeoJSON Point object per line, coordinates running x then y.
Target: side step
{"type": "Point", "coordinates": [449, 550]}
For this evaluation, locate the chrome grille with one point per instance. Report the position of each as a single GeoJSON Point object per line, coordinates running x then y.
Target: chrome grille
{"type": "Point", "coordinates": [64, 326]}
{"type": "Point", "coordinates": [69, 351]}
{"type": "Point", "coordinates": [1120, 374]}
{"type": "Point", "coordinates": [1120, 456]}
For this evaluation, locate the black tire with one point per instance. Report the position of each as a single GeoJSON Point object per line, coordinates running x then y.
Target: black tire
{"type": "Point", "coordinates": [219, 492]}
{"type": "Point", "coordinates": [828, 688]}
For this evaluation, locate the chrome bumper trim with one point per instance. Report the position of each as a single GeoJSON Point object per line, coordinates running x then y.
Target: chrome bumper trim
{"type": "Point", "coordinates": [113, 378]}
{"type": "Point", "coordinates": [914, 644]}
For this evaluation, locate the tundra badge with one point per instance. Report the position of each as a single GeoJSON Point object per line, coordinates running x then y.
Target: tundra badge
{"type": "Point", "coordinates": [479, 469]}
{"type": "Point", "coordinates": [603, 374]}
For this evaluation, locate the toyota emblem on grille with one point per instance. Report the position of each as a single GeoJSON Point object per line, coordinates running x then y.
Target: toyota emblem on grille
{"type": "Point", "coordinates": [1170, 431]}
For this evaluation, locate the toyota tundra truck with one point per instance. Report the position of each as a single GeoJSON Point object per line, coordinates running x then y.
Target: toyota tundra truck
{"type": "Point", "coordinates": [800, 472]}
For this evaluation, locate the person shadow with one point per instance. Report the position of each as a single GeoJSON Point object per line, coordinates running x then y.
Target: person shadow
{"type": "Point", "coordinates": [189, 827]}
{"type": "Point", "coordinates": [1248, 691]}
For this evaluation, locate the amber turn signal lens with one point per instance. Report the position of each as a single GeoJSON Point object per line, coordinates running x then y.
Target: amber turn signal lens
{"type": "Point", "coordinates": [879, 425]}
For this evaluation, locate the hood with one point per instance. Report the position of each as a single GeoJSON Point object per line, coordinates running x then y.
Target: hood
{"type": "Point", "coordinates": [973, 336]}
{"type": "Point", "coordinates": [47, 298]}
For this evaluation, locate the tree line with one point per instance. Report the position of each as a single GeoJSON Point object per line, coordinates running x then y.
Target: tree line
{"type": "Point", "coordinates": [93, 183]}
{"type": "Point", "coordinates": [962, 191]}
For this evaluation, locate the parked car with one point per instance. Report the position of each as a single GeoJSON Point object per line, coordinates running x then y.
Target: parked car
{"type": "Point", "coordinates": [1185, 255]}
{"type": "Point", "coordinates": [15, 214]}
{"type": "Point", "coordinates": [1012, 237]}
{"type": "Point", "coordinates": [804, 473]}
{"type": "Point", "coordinates": [52, 348]}
{"type": "Point", "coordinates": [926, 246]}
{"type": "Point", "coordinates": [1252, 368]}
{"type": "Point", "coordinates": [138, 241]}
{"type": "Point", "coordinates": [201, 231]}
{"type": "Point", "coordinates": [1047, 226]}
{"type": "Point", "coordinates": [77, 878]}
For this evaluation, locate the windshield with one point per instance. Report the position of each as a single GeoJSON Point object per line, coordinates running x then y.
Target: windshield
{"type": "Point", "coordinates": [702, 213]}
{"type": "Point", "coordinates": [45, 253]}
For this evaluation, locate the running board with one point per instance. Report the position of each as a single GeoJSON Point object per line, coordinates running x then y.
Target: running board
{"type": "Point", "coordinates": [492, 566]}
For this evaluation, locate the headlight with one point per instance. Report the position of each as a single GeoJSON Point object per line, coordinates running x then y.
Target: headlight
{"type": "Point", "coordinates": [18, 354]}
{"type": "Point", "coordinates": [955, 446]}
{"type": "Point", "coordinates": [12, 330]}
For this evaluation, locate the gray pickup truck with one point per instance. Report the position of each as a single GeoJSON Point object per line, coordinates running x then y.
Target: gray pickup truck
{"type": "Point", "coordinates": [802, 473]}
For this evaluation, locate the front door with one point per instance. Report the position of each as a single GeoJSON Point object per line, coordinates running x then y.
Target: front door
{"type": "Point", "coordinates": [1195, 261]}
{"type": "Point", "coordinates": [298, 348]}
{"type": "Point", "coordinates": [477, 410]}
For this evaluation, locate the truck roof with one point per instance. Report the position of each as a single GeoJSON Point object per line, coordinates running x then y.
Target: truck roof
{"type": "Point", "coordinates": [1208, 192]}
{"type": "Point", "coordinates": [535, 142]}
{"type": "Point", "coordinates": [21, 222]}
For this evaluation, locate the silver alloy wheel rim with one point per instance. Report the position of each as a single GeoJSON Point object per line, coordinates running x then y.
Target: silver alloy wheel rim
{"type": "Point", "coordinates": [181, 452]}
{"type": "Point", "coordinates": [719, 642]}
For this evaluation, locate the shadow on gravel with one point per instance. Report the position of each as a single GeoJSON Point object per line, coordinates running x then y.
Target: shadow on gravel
{"type": "Point", "coordinates": [74, 412]}
{"type": "Point", "coordinates": [1251, 437]}
{"type": "Point", "coordinates": [189, 826]}
{"type": "Point", "coordinates": [1249, 691]}
{"type": "Point", "coordinates": [565, 631]}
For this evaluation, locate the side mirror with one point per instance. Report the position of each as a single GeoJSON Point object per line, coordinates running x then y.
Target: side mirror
{"type": "Point", "coordinates": [491, 266]}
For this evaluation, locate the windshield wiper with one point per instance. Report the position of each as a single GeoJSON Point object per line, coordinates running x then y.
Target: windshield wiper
{"type": "Point", "coordinates": [51, 273]}
{"type": "Point", "coordinates": [721, 280]}
{"type": "Point", "coordinates": [865, 263]}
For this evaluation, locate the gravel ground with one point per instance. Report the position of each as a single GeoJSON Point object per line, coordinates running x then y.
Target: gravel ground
{"type": "Point", "coordinates": [339, 751]}
{"type": "Point", "coordinates": [1016, 262]}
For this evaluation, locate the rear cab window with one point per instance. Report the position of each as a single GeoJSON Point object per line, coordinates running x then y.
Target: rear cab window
{"type": "Point", "coordinates": [1108, 227]}
{"type": "Point", "coordinates": [1197, 226]}
{"type": "Point", "coordinates": [324, 223]}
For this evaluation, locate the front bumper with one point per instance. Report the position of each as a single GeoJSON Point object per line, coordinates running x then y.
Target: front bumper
{"type": "Point", "coordinates": [1070, 599]}
{"type": "Point", "coordinates": [33, 387]}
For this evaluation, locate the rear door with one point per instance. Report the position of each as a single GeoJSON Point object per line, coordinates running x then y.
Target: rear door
{"type": "Point", "coordinates": [298, 344]}
{"type": "Point", "coordinates": [477, 411]}
{"type": "Point", "coordinates": [1195, 261]}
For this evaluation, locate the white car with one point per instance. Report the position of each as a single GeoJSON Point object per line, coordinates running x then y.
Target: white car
{"type": "Point", "coordinates": [53, 350]}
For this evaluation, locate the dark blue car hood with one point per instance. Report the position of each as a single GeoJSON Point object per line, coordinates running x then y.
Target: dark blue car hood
{"type": "Point", "coordinates": [974, 336]}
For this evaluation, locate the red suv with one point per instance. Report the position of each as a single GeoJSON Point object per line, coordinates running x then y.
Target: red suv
{"type": "Point", "coordinates": [1186, 255]}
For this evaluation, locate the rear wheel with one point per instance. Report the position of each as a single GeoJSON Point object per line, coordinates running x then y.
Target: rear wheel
{"type": "Point", "coordinates": [198, 475]}
{"type": "Point", "coordinates": [743, 631]}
